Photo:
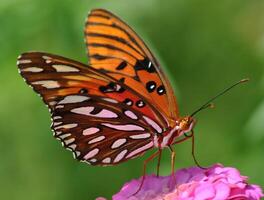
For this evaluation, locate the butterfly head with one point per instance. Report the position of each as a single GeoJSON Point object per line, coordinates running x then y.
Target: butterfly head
{"type": "Point", "coordinates": [186, 124]}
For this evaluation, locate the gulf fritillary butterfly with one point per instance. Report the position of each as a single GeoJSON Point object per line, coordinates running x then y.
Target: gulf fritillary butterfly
{"type": "Point", "coordinates": [117, 107]}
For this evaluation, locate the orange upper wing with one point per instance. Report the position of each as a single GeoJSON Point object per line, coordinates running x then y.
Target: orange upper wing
{"type": "Point", "coordinates": [114, 48]}
{"type": "Point", "coordinates": [54, 77]}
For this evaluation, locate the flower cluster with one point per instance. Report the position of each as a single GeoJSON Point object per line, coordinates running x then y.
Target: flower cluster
{"type": "Point", "coordinates": [214, 183]}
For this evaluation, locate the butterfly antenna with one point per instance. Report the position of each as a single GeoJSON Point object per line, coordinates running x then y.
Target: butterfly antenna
{"type": "Point", "coordinates": [209, 103]}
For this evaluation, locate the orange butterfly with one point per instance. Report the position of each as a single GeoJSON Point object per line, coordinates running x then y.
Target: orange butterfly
{"type": "Point", "coordinates": [115, 108]}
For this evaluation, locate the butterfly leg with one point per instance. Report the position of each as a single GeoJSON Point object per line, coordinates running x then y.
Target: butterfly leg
{"type": "Point", "coordinates": [182, 140]}
{"type": "Point", "coordinates": [144, 170]}
{"type": "Point", "coordinates": [158, 165]}
{"type": "Point", "coordinates": [173, 156]}
{"type": "Point", "coordinates": [193, 155]}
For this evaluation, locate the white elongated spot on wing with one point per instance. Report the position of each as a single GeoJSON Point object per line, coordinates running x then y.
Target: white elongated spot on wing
{"type": "Point", "coordinates": [118, 143]}
{"type": "Point", "coordinates": [120, 156]}
{"type": "Point", "coordinates": [93, 160]}
{"type": "Point", "coordinates": [110, 100]}
{"type": "Point", "coordinates": [23, 61]}
{"type": "Point", "coordinates": [66, 126]}
{"type": "Point", "coordinates": [140, 149]}
{"type": "Point", "coordinates": [153, 124]}
{"type": "Point", "coordinates": [97, 139]}
{"type": "Point", "coordinates": [64, 136]}
{"type": "Point", "coordinates": [57, 117]}
{"type": "Point", "coordinates": [106, 114]}
{"type": "Point", "coordinates": [52, 103]}
{"type": "Point", "coordinates": [65, 68]}
{"type": "Point", "coordinates": [69, 141]}
{"type": "Point", "coordinates": [125, 127]}
{"type": "Point", "coordinates": [88, 109]}
{"type": "Point", "coordinates": [56, 133]}
{"type": "Point", "coordinates": [140, 136]}
{"type": "Point", "coordinates": [90, 131]}
{"type": "Point", "coordinates": [130, 114]}
{"type": "Point", "coordinates": [83, 110]}
{"type": "Point", "coordinates": [57, 123]}
{"type": "Point", "coordinates": [47, 84]}
{"type": "Point", "coordinates": [106, 160]}
{"type": "Point", "coordinates": [91, 154]}
{"type": "Point", "coordinates": [72, 146]}
{"type": "Point", "coordinates": [32, 69]}
{"type": "Point", "coordinates": [46, 57]}
{"type": "Point", "coordinates": [73, 99]}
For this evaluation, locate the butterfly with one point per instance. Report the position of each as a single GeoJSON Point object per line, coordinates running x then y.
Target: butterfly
{"type": "Point", "coordinates": [115, 108]}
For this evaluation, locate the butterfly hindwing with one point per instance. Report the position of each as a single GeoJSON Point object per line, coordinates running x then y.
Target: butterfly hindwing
{"type": "Point", "coordinates": [99, 131]}
{"type": "Point", "coordinates": [111, 41]}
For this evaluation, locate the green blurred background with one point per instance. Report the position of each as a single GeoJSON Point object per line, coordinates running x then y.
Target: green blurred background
{"type": "Point", "coordinates": [205, 45]}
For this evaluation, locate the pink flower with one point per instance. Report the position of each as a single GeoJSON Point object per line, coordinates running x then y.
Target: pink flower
{"type": "Point", "coordinates": [214, 183]}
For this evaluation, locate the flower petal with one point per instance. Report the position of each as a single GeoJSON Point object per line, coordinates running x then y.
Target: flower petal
{"type": "Point", "coordinates": [214, 183]}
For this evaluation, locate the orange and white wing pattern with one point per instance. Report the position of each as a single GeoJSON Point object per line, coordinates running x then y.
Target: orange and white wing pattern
{"type": "Point", "coordinates": [103, 121]}
{"type": "Point", "coordinates": [115, 49]}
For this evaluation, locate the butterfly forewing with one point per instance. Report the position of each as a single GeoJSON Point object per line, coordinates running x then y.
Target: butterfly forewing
{"type": "Point", "coordinates": [54, 77]}
{"type": "Point", "coordinates": [102, 120]}
{"type": "Point", "coordinates": [114, 48]}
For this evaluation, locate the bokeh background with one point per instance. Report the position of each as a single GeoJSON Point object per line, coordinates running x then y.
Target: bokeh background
{"type": "Point", "coordinates": [204, 45]}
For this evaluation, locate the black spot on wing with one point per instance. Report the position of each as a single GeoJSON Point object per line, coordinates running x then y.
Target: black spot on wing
{"type": "Point", "coordinates": [98, 56]}
{"type": "Point", "coordinates": [136, 78]}
{"type": "Point", "coordinates": [112, 87]}
{"type": "Point", "coordinates": [122, 80]}
{"type": "Point", "coordinates": [121, 66]}
{"type": "Point", "coordinates": [128, 102]}
{"type": "Point", "coordinates": [140, 104]}
{"type": "Point", "coordinates": [150, 86]}
{"type": "Point", "coordinates": [145, 65]}
{"type": "Point", "coordinates": [161, 90]}
{"type": "Point", "coordinates": [83, 91]}
{"type": "Point", "coordinates": [95, 111]}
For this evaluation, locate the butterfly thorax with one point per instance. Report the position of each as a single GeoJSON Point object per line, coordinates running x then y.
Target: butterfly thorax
{"type": "Point", "coordinates": [170, 136]}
